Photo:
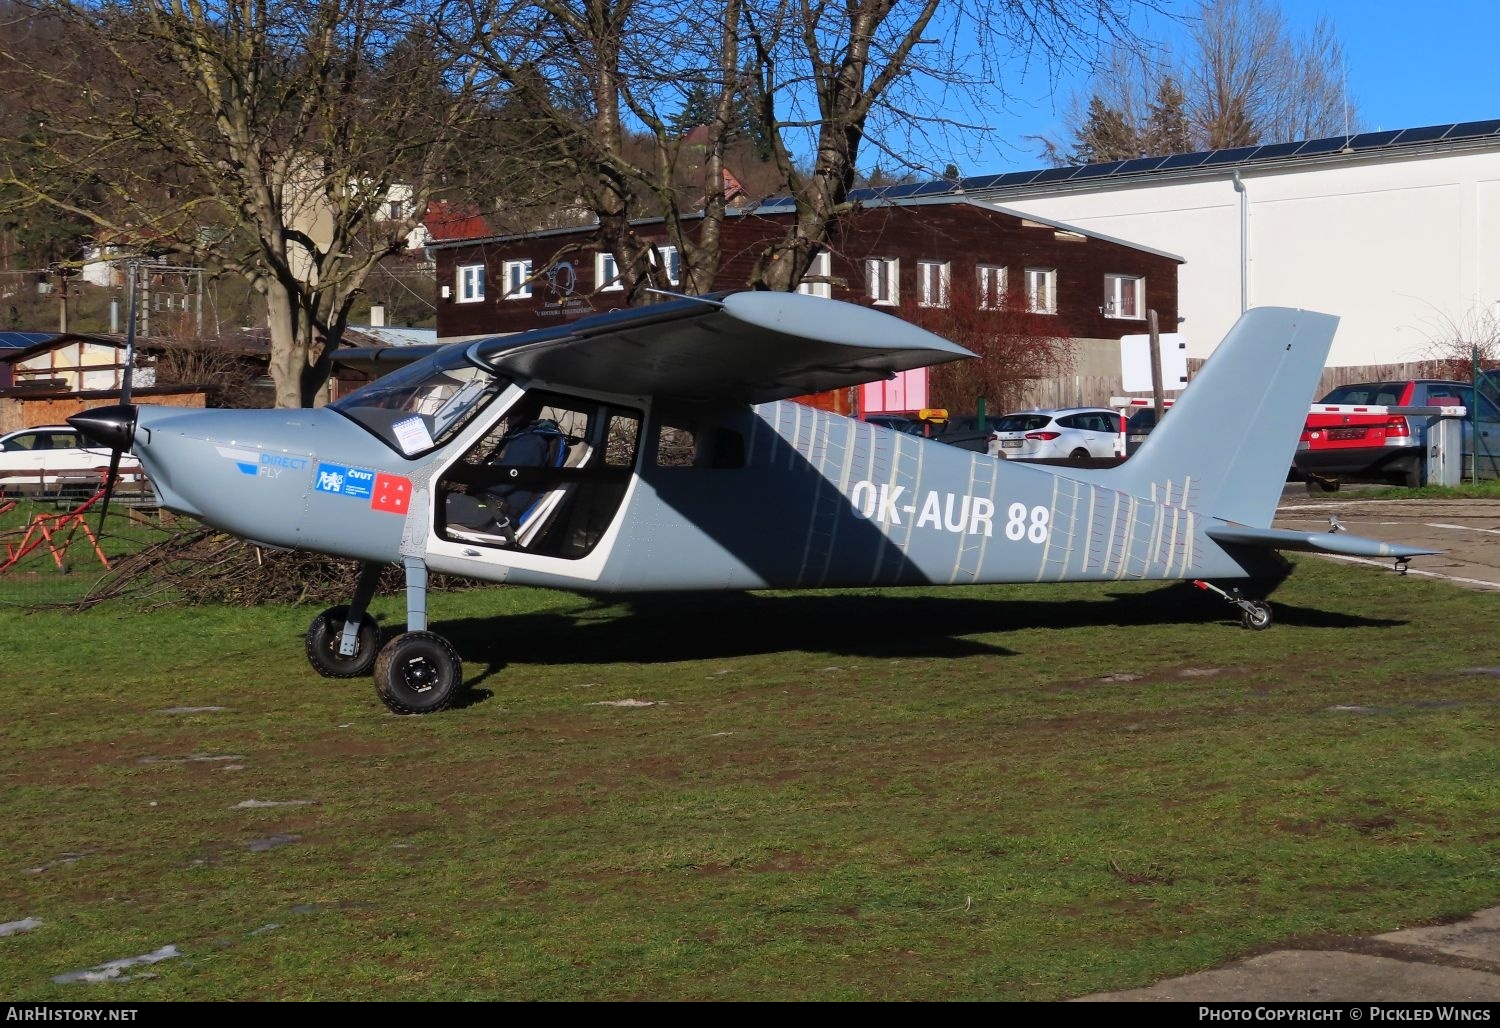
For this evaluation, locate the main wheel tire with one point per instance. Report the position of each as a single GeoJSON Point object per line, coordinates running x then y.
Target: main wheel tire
{"type": "Point", "coordinates": [1079, 454]}
{"type": "Point", "coordinates": [323, 637]}
{"type": "Point", "coordinates": [1256, 616]}
{"type": "Point", "coordinates": [418, 673]}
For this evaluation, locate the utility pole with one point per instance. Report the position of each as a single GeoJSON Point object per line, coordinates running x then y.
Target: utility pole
{"type": "Point", "coordinates": [1156, 390]}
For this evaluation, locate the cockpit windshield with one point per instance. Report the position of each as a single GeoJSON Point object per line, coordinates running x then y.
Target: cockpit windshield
{"type": "Point", "coordinates": [424, 405]}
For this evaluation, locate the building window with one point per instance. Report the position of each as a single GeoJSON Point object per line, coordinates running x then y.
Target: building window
{"type": "Point", "coordinates": [1041, 290]}
{"type": "Point", "coordinates": [991, 287]}
{"type": "Point", "coordinates": [818, 280]}
{"type": "Point", "coordinates": [517, 280]}
{"type": "Point", "coordinates": [932, 281]}
{"type": "Point", "coordinates": [395, 210]}
{"type": "Point", "coordinates": [884, 276]}
{"type": "Point", "coordinates": [606, 273]}
{"type": "Point", "coordinates": [470, 283]}
{"type": "Point", "coordinates": [1124, 296]}
{"type": "Point", "coordinates": [671, 260]}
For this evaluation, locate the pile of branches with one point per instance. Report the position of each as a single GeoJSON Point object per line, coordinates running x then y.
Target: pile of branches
{"type": "Point", "coordinates": [196, 565]}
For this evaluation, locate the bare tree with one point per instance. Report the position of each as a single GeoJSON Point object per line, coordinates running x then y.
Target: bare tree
{"type": "Point", "coordinates": [816, 81]}
{"type": "Point", "coordinates": [294, 143]}
{"type": "Point", "coordinates": [1015, 347]}
{"type": "Point", "coordinates": [883, 72]}
{"type": "Point", "coordinates": [1243, 76]}
{"type": "Point", "coordinates": [605, 83]}
{"type": "Point", "coordinates": [1454, 344]}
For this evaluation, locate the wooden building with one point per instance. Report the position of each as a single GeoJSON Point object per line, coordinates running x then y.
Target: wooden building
{"type": "Point", "coordinates": [926, 251]}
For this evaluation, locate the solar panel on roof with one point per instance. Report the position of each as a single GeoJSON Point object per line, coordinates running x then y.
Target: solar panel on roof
{"type": "Point", "coordinates": [21, 340]}
{"type": "Point", "coordinates": [1055, 175]}
{"type": "Point", "coordinates": [1016, 178]}
{"type": "Point", "coordinates": [1366, 140]}
{"type": "Point", "coordinates": [1139, 164]}
{"type": "Point", "coordinates": [1185, 160]}
{"type": "Point", "coordinates": [1474, 128]}
{"type": "Point", "coordinates": [969, 185]}
{"type": "Point", "coordinates": [1331, 144]}
{"type": "Point", "coordinates": [1096, 170]}
{"type": "Point", "coordinates": [1229, 155]}
{"type": "Point", "coordinates": [1421, 135]}
{"type": "Point", "coordinates": [1271, 151]}
{"type": "Point", "coordinates": [933, 188]}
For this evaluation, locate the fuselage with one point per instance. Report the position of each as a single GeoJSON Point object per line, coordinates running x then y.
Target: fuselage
{"type": "Point", "coordinates": [778, 495]}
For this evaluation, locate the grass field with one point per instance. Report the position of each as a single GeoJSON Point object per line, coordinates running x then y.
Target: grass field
{"type": "Point", "coordinates": [985, 793]}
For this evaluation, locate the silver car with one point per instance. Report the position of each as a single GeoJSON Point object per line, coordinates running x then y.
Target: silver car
{"type": "Point", "coordinates": [1068, 433]}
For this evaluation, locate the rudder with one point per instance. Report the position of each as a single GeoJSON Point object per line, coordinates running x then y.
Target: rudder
{"type": "Point", "coordinates": [1228, 442]}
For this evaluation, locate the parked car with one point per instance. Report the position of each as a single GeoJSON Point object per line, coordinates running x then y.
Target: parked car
{"type": "Point", "coordinates": [1338, 446]}
{"type": "Point", "coordinates": [964, 432]}
{"type": "Point", "coordinates": [961, 431]}
{"type": "Point", "coordinates": [52, 455]}
{"type": "Point", "coordinates": [1139, 425]}
{"type": "Point", "coordinates": [897, 422]}
{"type": "Point", "coordinates": [1070, 433]}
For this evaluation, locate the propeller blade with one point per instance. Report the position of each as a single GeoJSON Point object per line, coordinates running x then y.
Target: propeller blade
{"type": "Point", "coordinates": [109, 489]}
{"type": "Point", "coordinates": [122, 432]}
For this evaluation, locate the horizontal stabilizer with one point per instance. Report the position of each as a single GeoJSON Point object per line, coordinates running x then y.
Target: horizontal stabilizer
{"type": "Point", "coordinates": [1313, 542]}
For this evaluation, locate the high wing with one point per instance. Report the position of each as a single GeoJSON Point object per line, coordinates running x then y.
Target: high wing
{"type": "Point", "coordinates": [749, 347]}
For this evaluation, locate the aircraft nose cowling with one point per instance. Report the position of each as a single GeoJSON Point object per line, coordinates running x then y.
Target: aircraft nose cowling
{"type": "Point", "coordinates": [112, 427]}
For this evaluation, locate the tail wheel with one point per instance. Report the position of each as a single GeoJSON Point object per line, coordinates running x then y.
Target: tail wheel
{"type": "Point", "coordinates": [418, 673]}
{"type": "Point", "coordinates": [1255, 615]}
{"type": "Point", "coordinates": [323, 637]}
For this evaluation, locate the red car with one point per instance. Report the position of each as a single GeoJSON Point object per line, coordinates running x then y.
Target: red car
{"type": "Point", "coordinates": [1347, 444]}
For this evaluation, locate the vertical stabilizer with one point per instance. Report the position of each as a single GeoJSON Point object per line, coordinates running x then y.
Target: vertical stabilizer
{"type": "Point", "coordinates": [1225, 447]}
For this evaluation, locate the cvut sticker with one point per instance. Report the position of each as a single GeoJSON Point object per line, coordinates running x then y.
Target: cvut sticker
{"type": "Point", "coordinates": [342, 480]}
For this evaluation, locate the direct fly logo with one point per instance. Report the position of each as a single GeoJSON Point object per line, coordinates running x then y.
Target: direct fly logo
{"type": "Point", "coordinates": [261, 465]}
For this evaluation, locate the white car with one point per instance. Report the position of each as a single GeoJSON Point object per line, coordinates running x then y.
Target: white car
{"type": "Point", "coordinates": [53, 456]}
{"type": "Point", "coordinates": [1070, 433]}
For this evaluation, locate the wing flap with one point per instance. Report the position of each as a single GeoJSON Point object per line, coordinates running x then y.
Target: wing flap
{"type": "Point", "coordinates": [1313, 542]}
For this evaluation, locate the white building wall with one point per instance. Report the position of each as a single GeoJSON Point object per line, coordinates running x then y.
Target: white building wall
{"type": "Point", "coordinates": [1399, 247]}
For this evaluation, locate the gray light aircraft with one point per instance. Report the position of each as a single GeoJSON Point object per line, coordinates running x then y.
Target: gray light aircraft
{"type": "Point", "coordinates": [655, 449]}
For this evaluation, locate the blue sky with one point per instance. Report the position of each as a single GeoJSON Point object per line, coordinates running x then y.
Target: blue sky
{"type": "Point", "coordinates": [1409, 65]}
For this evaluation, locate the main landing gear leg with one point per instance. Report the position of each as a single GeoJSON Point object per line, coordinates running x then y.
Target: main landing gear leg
{"type": "Point", "coordinates": [342, 641]}
{"type": "Point", "coordinates": [417, 672]}
{"type": "Point", "coordinates": [1254, 614]}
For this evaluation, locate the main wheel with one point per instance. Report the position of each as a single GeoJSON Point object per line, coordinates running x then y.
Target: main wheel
{"type": "Point", "coordinates": [323, 637]}
{"type": "Point", "coordinates": [1256, 616]}
{"type": "Point", "coordinates": [1079, 454]}
{"type": "Point", "coordinates": [418, 673]}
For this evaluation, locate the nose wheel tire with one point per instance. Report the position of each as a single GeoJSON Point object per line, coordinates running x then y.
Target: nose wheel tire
{"type": "Point", "coordinates": [418, 673]}
{"type": "Point", "coordinates": [323, 637]}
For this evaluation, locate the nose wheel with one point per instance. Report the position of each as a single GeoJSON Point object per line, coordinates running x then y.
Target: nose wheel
{"type": "Point", "coordinates": [1254, 614]}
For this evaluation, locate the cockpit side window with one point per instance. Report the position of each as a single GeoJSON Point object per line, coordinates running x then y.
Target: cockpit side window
{"type": "Point", "coordinates": [423, 406]}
